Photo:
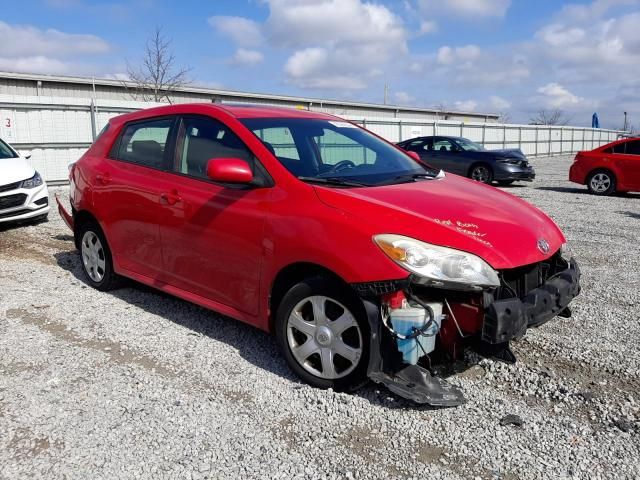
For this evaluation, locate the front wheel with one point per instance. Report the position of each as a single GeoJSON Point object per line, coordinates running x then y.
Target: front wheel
{"type": "Point", "coordinates": [481, 173]}
{"type": "Point", "coordinates": [323, 334]}
{"type": "Point", "coordinates": [601, 182]}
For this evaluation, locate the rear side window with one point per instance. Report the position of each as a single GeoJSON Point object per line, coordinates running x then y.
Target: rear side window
{"type": "Point", "coordinates": [417, 146]}
{"type": "Point", "coordinates": [633, 148]}
{"type": "Point", "coordinates": [202, 139]}
{"type": "Point", "coordinates": [144, 143]}
{"type": "Point", "coordinates": [619, 148]}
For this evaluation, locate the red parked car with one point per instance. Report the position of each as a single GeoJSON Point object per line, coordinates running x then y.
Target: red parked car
{"type": "Point", "coordinates": [614, 167]}
{"type": "Point", "coordinates": [361, 261]}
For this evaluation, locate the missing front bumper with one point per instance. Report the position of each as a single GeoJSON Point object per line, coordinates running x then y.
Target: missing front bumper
{"type": "Point", "coordinates": [509, 319]}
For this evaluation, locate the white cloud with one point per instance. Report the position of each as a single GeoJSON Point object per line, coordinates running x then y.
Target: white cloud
{"type": "Point", "coordinates": [585, 13]}
{"type": "Point", "coordinates": [303, 23]}
{"type": "Point", "coordinates": [403, 98]}
{"type": "Point", "coordinates": [427, 27]}
{"type": "Point", "coordinates": [27, 41]}
{"type": "Point", "coordinates": [466, 8]}
{"type": "Point", "coordinates": [498, 103]}
{"type": "Point", "coordinates": [247, 57]}
{"type": "Point", "coordinates": [242, 31]}
{"type": "Point", "coordinates": [36, 64]}
{"type": "Point", "coordinates": [448, 55]}
{"type": "Point", "coordinates": [557, 96]}
{"type": "Point", "coordinates": [465, 105]}
{"type": "Point", "coordinates": [339, 44]}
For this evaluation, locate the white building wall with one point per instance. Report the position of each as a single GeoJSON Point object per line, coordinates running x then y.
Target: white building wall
{"type": "Point", "coordinates": [58, 130]}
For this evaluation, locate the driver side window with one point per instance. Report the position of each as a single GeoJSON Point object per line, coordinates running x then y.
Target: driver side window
{"type": "Point", "coordinates": [202, 139]}
{"type": "Point", "coordinates": [335, 147]}
{"type": "Point", "coordinates": [443, 145]}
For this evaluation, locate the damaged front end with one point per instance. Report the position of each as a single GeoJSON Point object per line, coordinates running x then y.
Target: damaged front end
{"type": "Point", "coordinates": [416, 325]}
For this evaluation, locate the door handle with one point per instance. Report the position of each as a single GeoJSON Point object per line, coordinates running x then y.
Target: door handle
{"type": "Point", "coordinates": [170, 198]}
{"type": "Point", "coordinates": [103, 178]}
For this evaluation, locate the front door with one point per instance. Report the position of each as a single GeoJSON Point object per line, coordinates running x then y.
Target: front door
{"type": "Point", "coordinates": [447, 157]}
{"type": "Point", "coordinates": [212, 234]}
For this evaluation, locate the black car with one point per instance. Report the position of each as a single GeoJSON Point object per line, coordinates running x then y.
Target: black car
{"type": "Point", "coordinates": [464, 157]}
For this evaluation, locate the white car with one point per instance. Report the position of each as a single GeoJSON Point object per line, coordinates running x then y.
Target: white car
{"type": "Point", "coordinates": [23, 192]}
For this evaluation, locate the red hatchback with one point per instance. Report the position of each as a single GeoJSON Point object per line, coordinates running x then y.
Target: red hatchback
{"type": "Point", "coordinates": [361, 261]}
{"type": "Point", "coordinates": [614, 167]}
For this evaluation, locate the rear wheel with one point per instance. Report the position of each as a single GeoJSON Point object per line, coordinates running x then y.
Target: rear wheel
{"type": "Point", "coordinates": [481, 173]}
{"type": "Point", "coordinates": [601, 182]}
{"type": "Point", "coordinates": [323, 334]}
{"type": "Point", "coordinates": [96, 257]}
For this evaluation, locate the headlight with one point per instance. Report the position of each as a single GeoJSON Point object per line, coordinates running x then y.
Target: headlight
{"type": "Point", "coordinates": [33, 182]}
{"type": "Point", "coordinates": [566, 253]}
{"type": "Point", "coordinates": [441, 265]}
{"type": "Point", "coordinates": [513, 161]}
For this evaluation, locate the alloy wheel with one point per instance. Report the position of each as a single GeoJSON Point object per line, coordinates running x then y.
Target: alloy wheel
{"type": "Point", "coordinates": [600, 182]}
{"type": "Point", "coordinates": [324, 337]}
{"type": "Point", "coordinates": [481, 174]}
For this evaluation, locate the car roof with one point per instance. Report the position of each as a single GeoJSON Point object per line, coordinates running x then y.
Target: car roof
{"type": "Point", "coordinates": [236, 110]}
{"type": "Point", "coordinates": [426, 137]}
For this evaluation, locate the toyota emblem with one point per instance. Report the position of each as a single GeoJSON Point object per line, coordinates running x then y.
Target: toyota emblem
{"type": "Point", "coordinates": [543, 245]}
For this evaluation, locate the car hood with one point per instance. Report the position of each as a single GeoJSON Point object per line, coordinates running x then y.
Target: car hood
{"type": "Point", "coordinates": [15, 169]}
{"type": "Point", "coordinates": [454, 212]}
{"type": "Point", "coordinates": [507, 153]}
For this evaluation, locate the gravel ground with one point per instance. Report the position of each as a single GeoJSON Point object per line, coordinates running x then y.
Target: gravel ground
{"type": "Point", "coordinates": [136, 384]}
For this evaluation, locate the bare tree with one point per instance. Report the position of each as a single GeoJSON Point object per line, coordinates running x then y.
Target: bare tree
{"type": "Point", "coordinates": [550, 117]}
{"type": "Point", "coordinates": [441, 111]}
{"type": "Point", "coordinates": [157, 76]}
{"type": "Point", "coordinates": [504, 117]}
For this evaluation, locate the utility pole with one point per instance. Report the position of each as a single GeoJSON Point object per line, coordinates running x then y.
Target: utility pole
{"type": "Point", "coordinates": [625, 122]}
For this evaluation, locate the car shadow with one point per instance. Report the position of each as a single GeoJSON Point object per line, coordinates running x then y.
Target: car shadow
{"type": "Point", "coordinates": [15, 224]}
{"type": "Point", "coordinates": [584, 191]}
{"type": "Point", "coordinates": [564, 189]}
{"type": "Point", "coordinates": [254, 345]}
{"type": "Point", "coordinates": [630, 214]}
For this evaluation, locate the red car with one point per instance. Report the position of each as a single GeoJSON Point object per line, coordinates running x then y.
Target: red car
{"type": "Point", "coordinates": [614, 167]}
{"type": "Point", "coordinates": [361, 261]}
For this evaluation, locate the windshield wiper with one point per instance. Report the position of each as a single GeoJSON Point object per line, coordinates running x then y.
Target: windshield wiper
{"type": "Point", "coordinates": [333, 181]}
{"type": "Point", "coordinates": [409, 178]}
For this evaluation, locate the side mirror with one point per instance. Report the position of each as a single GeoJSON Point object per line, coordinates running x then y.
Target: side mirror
{"type": "Point", "coordinates": [25, 154]}
{"type": "Point", "coordinates": [229, 170]}
{"type": "Point", "coordinates": [415, 156]}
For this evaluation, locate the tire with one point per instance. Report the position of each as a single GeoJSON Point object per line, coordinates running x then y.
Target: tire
{"type": "Point", "coordinates": [95, 257]}
{"type": "Point", "coordinates": [505, 183]}
{"type": "Point", "coordinates": [601, 182]}
{"type": "Point", "coordinates": [482, 173]}
{"type": "Point", "coordinates": [313, 345]}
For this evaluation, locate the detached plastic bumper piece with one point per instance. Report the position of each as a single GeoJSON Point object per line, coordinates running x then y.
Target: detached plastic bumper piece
{"type": "Point", "coordinates": [409, 381]}
{"type": "Point", "coordinates": [509, 319]}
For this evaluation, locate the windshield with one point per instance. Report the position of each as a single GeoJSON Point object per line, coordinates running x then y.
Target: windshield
{"type": "Point", "coordinates": [335, 153]}
{"type": "Point", "coordinates": [469, 146]}
{"type": "Point", "coordinates": [5, 151]}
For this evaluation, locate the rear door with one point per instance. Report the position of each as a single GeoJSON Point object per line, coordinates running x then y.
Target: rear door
{"type": "Point", "coordinates": [127, 189]}
{"type": "Point", "coordinates": [629, 164]}
{"type": "Point", "coordinates": [212, 234]}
